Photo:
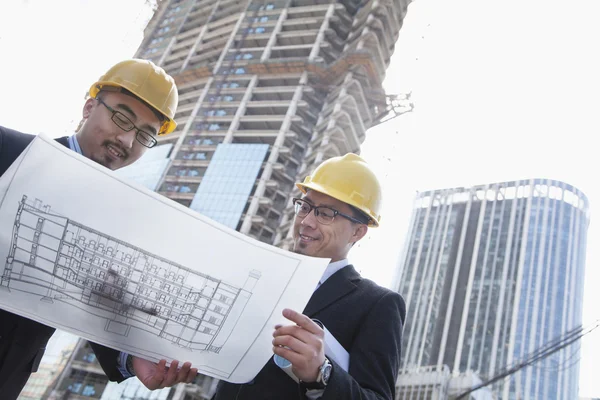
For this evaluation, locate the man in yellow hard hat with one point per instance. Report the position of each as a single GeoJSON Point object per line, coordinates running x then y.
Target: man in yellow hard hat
{"type": "Point", "coordinates": [129, 106]}
{"type": "Point", "coordinates": [340, 200]}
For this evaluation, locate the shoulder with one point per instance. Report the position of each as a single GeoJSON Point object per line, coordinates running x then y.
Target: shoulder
{"type": "Point", "coordinates": [12, 144]}
{"type": "Point", "coordinates": [10, 138]}
{"type": "Point", "coordinates": [382, 297]}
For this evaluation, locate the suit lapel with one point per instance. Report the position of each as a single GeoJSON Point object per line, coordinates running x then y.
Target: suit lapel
{"type": "Point", "coordinates": [338, 285]}
{"type": "Point", "coordinates": [63, 140]}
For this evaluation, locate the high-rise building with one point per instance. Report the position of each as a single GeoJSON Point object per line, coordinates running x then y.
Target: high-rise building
{"type": "Point", "coordinates": [82, 377]}
{"type": "Point", "coordinates": [57, 354]}
{"type": "Point", "coordinates": [268, 89]}
{"type": "Point", "coordinates": [492, 273]}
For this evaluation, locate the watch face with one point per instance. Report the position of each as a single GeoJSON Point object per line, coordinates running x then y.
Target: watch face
{"type": "Point", "coordinates": [326, 373]}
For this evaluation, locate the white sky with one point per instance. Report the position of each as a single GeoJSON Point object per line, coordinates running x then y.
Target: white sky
{"type": "Point", "coordinates": [503, 91]}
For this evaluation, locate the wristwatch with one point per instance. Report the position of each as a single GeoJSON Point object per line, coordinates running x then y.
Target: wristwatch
{"type": "Point", "coordinates": [322, 377]}
{"type": "Point", "coordinates": [129, 364]}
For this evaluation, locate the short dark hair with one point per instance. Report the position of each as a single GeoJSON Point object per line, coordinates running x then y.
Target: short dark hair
{"type": "Point", "coordinates": [359, 215]}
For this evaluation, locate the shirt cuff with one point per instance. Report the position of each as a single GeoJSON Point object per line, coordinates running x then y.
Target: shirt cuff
{"type": "Point", "coordinates": [314, 394]}
{"type": "Point", "coordinates": [122, 365]}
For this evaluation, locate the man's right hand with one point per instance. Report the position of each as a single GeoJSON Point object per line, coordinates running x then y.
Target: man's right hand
{"type": "Point", "coordinates": [157, 376]}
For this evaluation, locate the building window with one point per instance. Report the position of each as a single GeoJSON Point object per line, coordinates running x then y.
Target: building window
{"type": "Point", "coordinates": [218, 113]}
{"type": "Point", "coordinates": [226, 85]}
{"type": "Point", "coordinates": [88, 390]}
{"type": "Point", "coordinates": [246, 56]}
{"type": "Point", "coordinates": [74, 387]}
{"type": "Point", "coordinates": [259, 29]}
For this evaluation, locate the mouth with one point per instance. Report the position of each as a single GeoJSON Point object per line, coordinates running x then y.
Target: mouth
{"type": "Point", "coordinates": [115, 151]}
{"type": "Point", "coordinates": [306, 238]}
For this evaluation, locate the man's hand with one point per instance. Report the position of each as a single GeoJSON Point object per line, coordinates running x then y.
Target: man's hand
{"type": "Point", "coordinates": [301, 344]}
{"type": "Point", "coordinates": [157, 376]}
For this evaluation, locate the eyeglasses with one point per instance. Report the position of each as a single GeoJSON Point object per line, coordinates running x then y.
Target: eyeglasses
{"type": "Point", "coordinates": [324, 215]}
{"type": "Point", "coordinates": [145, 138]}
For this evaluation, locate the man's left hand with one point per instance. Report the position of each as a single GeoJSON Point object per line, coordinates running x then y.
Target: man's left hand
{"type": "Point", "coordinates": [301, 344]}
{"type": "Point", "coordinates": [157, 376]}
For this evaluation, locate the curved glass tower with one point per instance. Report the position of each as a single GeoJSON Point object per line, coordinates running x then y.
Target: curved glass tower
{"type": "Point", "coordinates": [491, 274]}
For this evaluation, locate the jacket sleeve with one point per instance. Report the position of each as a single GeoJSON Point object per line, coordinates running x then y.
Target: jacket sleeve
{"type": "Point", "coordinates": [107, 358]}
{"type": "Point", "coordinates": [374, 356]}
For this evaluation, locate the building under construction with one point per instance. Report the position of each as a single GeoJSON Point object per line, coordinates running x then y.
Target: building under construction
{"type": "Point", "coordinates": [267, 91]}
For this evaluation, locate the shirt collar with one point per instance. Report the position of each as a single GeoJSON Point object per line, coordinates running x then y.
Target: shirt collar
{"type": "Point", "coordinates": [74, 144]}
{"type": "Point", "coordinates": [332, 268]}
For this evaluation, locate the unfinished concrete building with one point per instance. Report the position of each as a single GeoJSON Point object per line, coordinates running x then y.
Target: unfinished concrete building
{"type": "Point", "coordinates": [268, 90]}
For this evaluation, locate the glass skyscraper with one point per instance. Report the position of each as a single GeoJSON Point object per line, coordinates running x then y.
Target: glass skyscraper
{"type": "Point", "coordinates": [490, 274]}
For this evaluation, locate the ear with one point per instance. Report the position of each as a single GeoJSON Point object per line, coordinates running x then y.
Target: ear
{"type": "Point", "coordinates": [360, 231]}
{"type": "Point", "coordinates": [88, 107]}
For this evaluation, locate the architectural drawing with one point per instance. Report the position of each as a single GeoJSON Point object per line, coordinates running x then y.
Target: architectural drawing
{"type": "Point", "coordinates": [61, 260]}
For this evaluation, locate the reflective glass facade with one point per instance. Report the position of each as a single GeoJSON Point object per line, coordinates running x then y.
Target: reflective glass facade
{"type": "Point", "coordinates": [492, 273]}
{"type": "Point", "coordinates": [148, 170]}
{"type": "Point", "coordinates": [228, 181]}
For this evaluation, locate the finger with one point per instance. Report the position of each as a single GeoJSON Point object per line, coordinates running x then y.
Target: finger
{"type": "Point", "coordinates": [182, 374]}
{"type": "Point", "coordinates": [171, 374]}
{"type": "Point", "coordinates": [297, 332]}
{"type": "Point", "coordinates": [294, 344]}
{"type": "Point", "coordinates": [155, 380]}
{"type": "Point", "coordinates": [290, 355]}
{"type": "Point", "coordinates": [278, 326]}
{"type": "Point", "coordinates": [191, 375]}
{"type": "Point", "coordinates": [302, 320]}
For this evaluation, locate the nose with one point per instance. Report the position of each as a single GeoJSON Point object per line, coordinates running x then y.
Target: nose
{"type": "Point", "coordinates": [126, 138]}
{"type": "Point", "coordinates": [310, 220]}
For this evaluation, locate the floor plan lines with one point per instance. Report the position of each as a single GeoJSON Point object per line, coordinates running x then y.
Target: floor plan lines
{"type": "Point", "coordinates": [59, 259]}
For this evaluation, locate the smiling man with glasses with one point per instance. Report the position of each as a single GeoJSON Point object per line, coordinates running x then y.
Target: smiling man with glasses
{"type": "Point", "coordinates": [340, 201]}
{"type": "Point", "coordinates": [129, 106]}
{"type": "Point", "coordinates": [145, 138]}
{"type": "Point", "coordinates": [119, 126]}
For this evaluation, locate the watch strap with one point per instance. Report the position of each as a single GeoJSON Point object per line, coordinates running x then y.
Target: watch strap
{"type": "Point", "coordinates": [320, 383]}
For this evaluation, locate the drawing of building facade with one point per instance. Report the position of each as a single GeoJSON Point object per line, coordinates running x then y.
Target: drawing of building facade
{"type": "Point", "coordinates": [59, 259]}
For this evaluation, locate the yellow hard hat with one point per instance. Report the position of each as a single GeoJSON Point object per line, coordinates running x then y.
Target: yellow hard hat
{"type": "Point", "coordinates": [350, 180]}
{"type": "Point", "coordinates": [148, 82]}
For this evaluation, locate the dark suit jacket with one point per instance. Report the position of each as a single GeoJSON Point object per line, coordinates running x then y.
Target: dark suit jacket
{"type": "Point", "coordinates": [367, 320]}
{"type": "Point", "coordinates": [23, 341]}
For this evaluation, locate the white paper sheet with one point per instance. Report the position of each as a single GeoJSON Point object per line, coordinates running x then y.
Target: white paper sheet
{"type": "Point", "coordinates": [115, 263]}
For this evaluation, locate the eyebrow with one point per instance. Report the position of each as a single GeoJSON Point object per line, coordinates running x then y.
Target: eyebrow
{"type": "Point", "coordinates": [128, 110]}
{"type": "Point", "coordinates": [320, 205]}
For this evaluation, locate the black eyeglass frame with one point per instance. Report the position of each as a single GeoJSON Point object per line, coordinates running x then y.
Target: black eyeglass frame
{"type": "Point", "coordinates": [140, 135]}
{"type": "Point", "coordinates": [297, 206]}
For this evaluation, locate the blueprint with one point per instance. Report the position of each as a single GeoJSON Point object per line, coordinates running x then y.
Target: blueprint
{"type": "Point", "coordinates": [84, 251]}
